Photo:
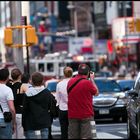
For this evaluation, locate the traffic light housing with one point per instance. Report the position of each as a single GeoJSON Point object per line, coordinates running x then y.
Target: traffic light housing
{"type": "Point", "coordinates": [138, 25]}
{"type": "Point", "coordinates": [131, 25]}
{"type": "Point", "coordinates": [8, 37]}
{"type": "Point", "coordinates": [31, 37]}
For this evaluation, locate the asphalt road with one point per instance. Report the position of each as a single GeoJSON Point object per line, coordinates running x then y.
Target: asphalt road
{"type": "Point", "coordinates": [105, 130]}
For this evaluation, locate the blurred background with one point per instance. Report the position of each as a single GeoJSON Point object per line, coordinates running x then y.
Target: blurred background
{"type": "Point", "coordinates": [103, 30]}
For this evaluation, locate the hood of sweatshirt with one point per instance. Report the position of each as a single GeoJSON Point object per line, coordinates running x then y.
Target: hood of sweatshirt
{"type": "Point", "coordinates": [32, 91]}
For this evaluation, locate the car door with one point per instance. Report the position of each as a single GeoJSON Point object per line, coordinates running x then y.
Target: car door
{"type": "Point", "coordinates": [133, 107]}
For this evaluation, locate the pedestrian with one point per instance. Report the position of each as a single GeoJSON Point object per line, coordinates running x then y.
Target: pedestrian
{"type": "Point", "coordinates": [62, 101]}
{"type": "Point", "coordinates": [16, 75]}
{"type": "Point", "coordinates": [25, 80]}
{"type": "Point", "coordinates": [7, 105]}
{"type": "Point", "coordinates": [37, 108]}
{"type": "Point", "coordinates": [80, 107]}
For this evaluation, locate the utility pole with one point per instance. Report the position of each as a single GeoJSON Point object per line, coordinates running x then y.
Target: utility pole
{"type": "Point", "coordinates": [126, 33]}
{"type": "Point", "coordinates": [16, 20]}
{"type": "Point", "coordinates": [24, 22]}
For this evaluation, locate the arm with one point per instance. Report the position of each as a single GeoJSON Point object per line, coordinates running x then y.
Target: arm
{"type": "Point", "coordinates": [97, 91]}
{"type": "Point", "coordinates": [57, 97]}
{"type": "Point", "coordinates": [92, 80]}
{"type": "Point", "coordinates": [12, 110]}
{"type": "Point", "coordinates": [23, 88]}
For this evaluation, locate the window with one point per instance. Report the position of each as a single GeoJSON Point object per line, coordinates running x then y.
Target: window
{"type": "Point", "coordinates": [41, 67]}
{"type": "Point", "coordinates": [50, 67]}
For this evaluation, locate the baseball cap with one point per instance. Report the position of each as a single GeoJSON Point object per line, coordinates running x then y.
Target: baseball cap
{"type": "Point", "coordinates": [83, 69]}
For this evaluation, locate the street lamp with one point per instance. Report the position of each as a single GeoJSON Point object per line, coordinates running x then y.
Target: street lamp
{"type": "Point", "coordinates": [70, 7]}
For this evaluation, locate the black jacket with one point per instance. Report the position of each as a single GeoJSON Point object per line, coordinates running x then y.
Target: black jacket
{"type": "Point", "coordinates": [36, 111]}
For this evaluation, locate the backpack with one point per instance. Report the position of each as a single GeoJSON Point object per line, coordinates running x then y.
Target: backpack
{"type": "Point", "coordinates": [54, 110]}
{"type": "Point", "coordinates": [18, 98]}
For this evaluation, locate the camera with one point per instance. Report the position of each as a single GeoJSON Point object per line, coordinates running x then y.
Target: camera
{"type": "Point", "coordinates": [91, 72]}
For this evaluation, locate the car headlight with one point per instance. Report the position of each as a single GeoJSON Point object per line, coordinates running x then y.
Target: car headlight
{"type": "Point", "coordinates": [121, 102]}
{"type": "Point", "coordinates": [120, 95]}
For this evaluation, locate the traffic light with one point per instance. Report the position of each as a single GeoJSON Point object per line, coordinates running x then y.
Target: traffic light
{"type": "Point", "coordinates": [131, 25]}
{"type": "Point", "coordinates": [8, 37]}
{"type": "Point", "coordinates": [31, 37]}
{"type": "Point", "coordinates": [138, 25]}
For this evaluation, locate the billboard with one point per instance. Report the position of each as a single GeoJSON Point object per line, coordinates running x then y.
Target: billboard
{"type": "Point", "coordinates": [80, 45]}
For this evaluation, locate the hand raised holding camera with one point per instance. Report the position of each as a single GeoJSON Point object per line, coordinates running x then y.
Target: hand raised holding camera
{"type": "Point", "coordinates": [92, 75]}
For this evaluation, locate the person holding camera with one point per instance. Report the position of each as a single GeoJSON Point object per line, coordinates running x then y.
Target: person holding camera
{"type": "Point", "coordinates": [80, 108]}
{"type": "Point", "coordinates": [7, 109]}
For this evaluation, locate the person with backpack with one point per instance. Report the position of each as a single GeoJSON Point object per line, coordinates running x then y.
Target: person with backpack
{"type": "Point", "coordinates": [16, 75]}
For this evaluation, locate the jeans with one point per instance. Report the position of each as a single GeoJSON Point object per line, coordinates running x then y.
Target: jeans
{"type": "Point", "coordinates": [19, 134]}
{"type": "Point", "coordinates": [5, 129]}
{"type": "Point", "coordinates": [30, 134]}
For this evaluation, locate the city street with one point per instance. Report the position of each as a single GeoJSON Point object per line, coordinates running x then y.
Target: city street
{"type": "Point", "coordinates": [105, 130]}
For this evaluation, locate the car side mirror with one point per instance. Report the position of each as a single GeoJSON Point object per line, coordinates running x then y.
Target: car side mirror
{"type": "Point", "coordinates": [126, 89]}
{"type": "Point", "coordinates": [132, 93]}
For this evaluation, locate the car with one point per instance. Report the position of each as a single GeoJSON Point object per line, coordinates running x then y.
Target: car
{"type": "Point", "coordinates": [133, 110]}
{"type": "Point", "coordinates": [111, 101]}
{"type": "Point", "coordinates": [104, 74]}
{"type": "Point", "coordinates": [126, 84]}
{"type": "Point", "coordinates": [51, 85]}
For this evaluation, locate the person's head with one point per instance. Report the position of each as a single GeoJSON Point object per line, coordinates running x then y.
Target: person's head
{"type": "Point", "coordinates": [68, 72]}
{"type": "Point", "coordinates": [37, 79]}
{"type": "Point", "coordinates": [83, 69]}
{"type": "Point", "coordinates": [16, 74]}
{"type": "Point", "coordinates": [4, 74]}
{"type": "Point", "coordinates": [25, 78]}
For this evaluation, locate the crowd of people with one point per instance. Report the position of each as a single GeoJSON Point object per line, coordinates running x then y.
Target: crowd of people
{"type": "Point", "coordinates": [32, 104]}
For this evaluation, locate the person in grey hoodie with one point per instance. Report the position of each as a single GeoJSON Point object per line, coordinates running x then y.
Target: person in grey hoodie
{"type": "Point", "coordinates": [37, 108]}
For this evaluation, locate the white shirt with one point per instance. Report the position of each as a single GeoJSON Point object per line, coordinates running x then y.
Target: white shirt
{"type": "Point", "coordinates": [62, 95]}
{"type": "Point", "coordinates": [5, 95]}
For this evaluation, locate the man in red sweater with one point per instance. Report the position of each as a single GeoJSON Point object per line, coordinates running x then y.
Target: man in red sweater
{"type": "Point", "coordinates": [80, 107]}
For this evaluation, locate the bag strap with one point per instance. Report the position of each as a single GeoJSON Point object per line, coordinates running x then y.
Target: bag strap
{"type": "Point", "coordinates": [1, 108]}
{"type": "Point", "coordinates": [74, 84]}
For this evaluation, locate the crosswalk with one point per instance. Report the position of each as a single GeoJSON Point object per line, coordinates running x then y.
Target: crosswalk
{"type": "Point", "coordinates": [104, 131]}
{"type": "Point", "coordinates": [108, 131]}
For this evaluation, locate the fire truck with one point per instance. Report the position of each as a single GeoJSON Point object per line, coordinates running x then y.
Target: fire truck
{"type": "Point", "coordinates": [51, 65]}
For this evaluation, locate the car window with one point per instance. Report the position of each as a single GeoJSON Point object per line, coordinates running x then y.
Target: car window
{"type": "Point", "coordinates": [52, 86]}
{"type": "Point", "coordinates": [107, 86]}
{"type": "Point", "coordinates": [125, 84]}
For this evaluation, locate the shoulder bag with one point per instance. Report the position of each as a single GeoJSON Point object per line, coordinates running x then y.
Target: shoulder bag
{"type": "Point", "coordinates": [74, 85]}
{"type": "Point", "coordinates": [7, 115]}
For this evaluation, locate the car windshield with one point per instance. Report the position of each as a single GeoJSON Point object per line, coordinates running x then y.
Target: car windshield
{"type": "Point", "coordinates": [52, 86]}
{"type": "Point", "coordinates": [126, 83]}
{"type": "Point", "coordinates": [107, 86]}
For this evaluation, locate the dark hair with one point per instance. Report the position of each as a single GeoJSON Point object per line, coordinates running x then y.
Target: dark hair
{"type": "Point", "coordinates": [68, 72]}
{"type": "Point", "coordinates": [83, 69]}
{"type": "Point", "coordinates": [37, 79]}
{"type": "Point", "coordinates": [4, 74]}
{"type": "Point", "coordinates": [25, 77]}
{"type": "Point", "coordinates": [15, 73]}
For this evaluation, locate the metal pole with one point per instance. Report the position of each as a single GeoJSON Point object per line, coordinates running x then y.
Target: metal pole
{"type": "Point", "coordinates": [16, 20]}
{"type": "Point", "coordinates": [27, 47]}
{"type": "Point", "coordinates": [75, 23]}
{"type": "Point", "coordinates": [126, 33]}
